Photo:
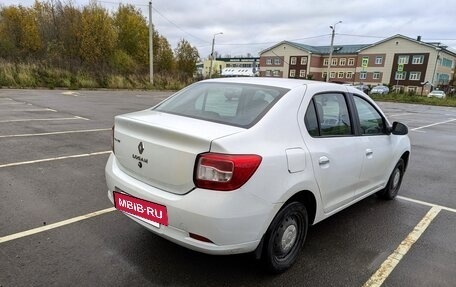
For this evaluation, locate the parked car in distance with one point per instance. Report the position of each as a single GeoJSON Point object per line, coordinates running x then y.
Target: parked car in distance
{"type": "Point", "coordinates": [380, 90]}
{"type": "Point", "coordinates": [364, 88]}
{"type": "Point", "coordinates": [437, 94]}
{"type": "Point", "coordinates": [224, 176]}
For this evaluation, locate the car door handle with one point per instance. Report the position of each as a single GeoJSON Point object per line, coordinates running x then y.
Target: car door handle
{"type": "Point", "coordinates": [369, 152]}
{"type": "Point", "coordinates": [323, 160]}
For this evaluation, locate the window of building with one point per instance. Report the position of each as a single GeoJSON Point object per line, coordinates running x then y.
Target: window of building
{"type": "Point", "coordinates": [324, 75]}
{"type": "Point", "coordinates": [332, 75]}
{"type": "Point", "coordinates": [378, 60]}
{"type": "Point", "coordinates": [292, 73]}
{"type": "Point", "coordinates": [447, 63]}
{"type": "Point", "coordinates": [325, 61]}
{"type": "Point", "coordinates": [376, 75]}
{"type": "Point", "coordinates": [418, 59]}
{"type": "Point", "coordinates": [303, 60]}
{"type": "Point", "coordinates": [351, 61]}
{"type": "Point", "coordinates": [365, 62]}
{"type": "Point", "coordinates": [400, 76]}
{"type": "Point", "coordinates": [342, 61]}
{"type": "Point", "coordinates": [276, 61]}
{"type": "Point", "coordinates": [292, 60]}
{"type": "Point", "coordinates": [275, 73]}
{"type": "Point", "coordinates": [340, 75]}
{"type": "Point", "coordinates": [349, 75]}
{"type": "Point", "coordinates": [415, 76]}
{"type": "Point", "coordinates": [411, 89]}
{"type": "Point", "coordinates": [302, 73]}
{"type": "Point", "coordinates": [268, 61]}
{"type": "Point", "coordinates": [403, 59]}
{"type": "Point", "coordinates": [334, 61]}
{"type": "Point", "coordinates": [268, 73]}
{"type": "Point", "coordinates": [363, 75]}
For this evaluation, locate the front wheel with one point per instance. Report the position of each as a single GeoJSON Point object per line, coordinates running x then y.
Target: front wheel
{"type": "Point", "coordinates": [394, 182]}
{"type": "Point", "coordinates": [285, 237]}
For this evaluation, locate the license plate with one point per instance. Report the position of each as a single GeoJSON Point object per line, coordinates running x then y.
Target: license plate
{"type": "Point", "coordinates": [150, 212]}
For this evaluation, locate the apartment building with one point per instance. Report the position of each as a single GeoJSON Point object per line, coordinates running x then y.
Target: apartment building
{"type": "Point", "coordinates": [406, 63]}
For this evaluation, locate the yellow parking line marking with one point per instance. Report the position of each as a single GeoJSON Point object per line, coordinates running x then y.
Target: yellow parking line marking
{"type": "Point", "coordinates": [431, 125]}
{"type": "Point", "coordinates": [54, 225]}
{"type": "Point", "coordinates": [427, 203]}
{"type": "Point", "coordinates": [55, 133]}
{"type": "Point", "coordinates": [54, 158]}
{"type": "Point", "coordinates": [47, 119]}
{"type": "Point", "coordinates": [391, 262]}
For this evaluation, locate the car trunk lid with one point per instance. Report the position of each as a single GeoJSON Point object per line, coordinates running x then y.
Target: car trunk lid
{"type": "Point", "coordinates": [160, 148]}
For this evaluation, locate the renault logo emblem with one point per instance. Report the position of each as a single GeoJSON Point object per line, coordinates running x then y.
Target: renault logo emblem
{"type": "Point", "coordinates": [141, 148]}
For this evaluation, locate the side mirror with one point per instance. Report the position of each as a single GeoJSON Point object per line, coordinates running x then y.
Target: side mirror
{"type": "Point", "coordinates": [399, 129]}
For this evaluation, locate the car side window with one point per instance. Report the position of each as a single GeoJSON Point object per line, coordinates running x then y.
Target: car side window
{"type": "Point", "coordinates": [331, 113]}
{"type": "Point", "coordinates": [370, 120]}
{"type": "Point", "coordinates": [311, 120]}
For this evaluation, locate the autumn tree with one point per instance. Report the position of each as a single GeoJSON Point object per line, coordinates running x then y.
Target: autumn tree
{"type": "Point", "coordinates": [98, 35]}
{"type": "Point", "coordinates": [186, 58]}
{"type": "Point", "coordinates": [19, 31]}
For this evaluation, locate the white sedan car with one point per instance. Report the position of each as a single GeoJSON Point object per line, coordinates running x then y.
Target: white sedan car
{"type": "Point", "coordinates": [251, 172]}
{"type": "Point", "coordinates": [437, 94]}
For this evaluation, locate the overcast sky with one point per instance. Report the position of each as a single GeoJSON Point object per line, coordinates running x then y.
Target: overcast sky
{"type": "Point", "coordinates": [250, 26]}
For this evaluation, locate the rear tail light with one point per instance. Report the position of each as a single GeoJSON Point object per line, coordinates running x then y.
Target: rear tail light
{"type": "Point", "coordinates": [224, 172]}
{"type": "Point", "coordinates": [112, 143]}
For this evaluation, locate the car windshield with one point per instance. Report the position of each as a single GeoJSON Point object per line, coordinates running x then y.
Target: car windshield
{"type": "Point", "coordinates": [227, 103]}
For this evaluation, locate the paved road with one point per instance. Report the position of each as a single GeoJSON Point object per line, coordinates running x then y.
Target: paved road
{"type": "Point", "coordinates": [53, 148]}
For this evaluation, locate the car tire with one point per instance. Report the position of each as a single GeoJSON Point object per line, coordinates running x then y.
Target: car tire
{"type": "Point", "coordinates": [285, 237]}
{"type": "Point", "coordinates": [394, 182]}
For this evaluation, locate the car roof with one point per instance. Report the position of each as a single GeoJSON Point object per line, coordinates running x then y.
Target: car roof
{"type": "Point", "coordinates": [267, 81]}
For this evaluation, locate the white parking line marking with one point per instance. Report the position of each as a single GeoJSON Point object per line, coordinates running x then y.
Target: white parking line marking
{"type": "Point", "coordinates": [54, 225]}
{"type": "Point", "coordinates": [398, 115]}
{"type": "Point", "coordinates": [391, 262]}
{"type": "Point", "coordinates": [54, 158]}
{"type": "Point", "coordinates": [427, 203]}
{"type": "Point", "coordinates": [431, 125]}
{"type": "Point", "coordinates": [48, 119]}
{"type": "Point", "coordinates": [31, 110]}
{"type": "Point", "coordinates": [15, 103]}
{"type": "Point", "coordinates": [55, 133]}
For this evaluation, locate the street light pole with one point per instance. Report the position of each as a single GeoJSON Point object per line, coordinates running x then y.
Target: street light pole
{"type": "Point", "coordinates": [333, 27]}
{"type": "Point", "coordinates": [151, 46]}
{"type": "Point", "coordinates": [212, 53]}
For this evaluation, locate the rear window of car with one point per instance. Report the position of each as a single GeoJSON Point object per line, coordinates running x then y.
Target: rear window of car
{"type": "Point", "coordinates": [228, 103]}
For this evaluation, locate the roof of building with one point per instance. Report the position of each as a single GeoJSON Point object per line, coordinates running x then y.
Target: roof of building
{"type": "Point", "coordinates": [433, 45]}
{"type": "Point", "coordinates": [338, 49]}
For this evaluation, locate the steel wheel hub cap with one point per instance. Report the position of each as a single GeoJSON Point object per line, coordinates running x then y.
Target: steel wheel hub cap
{"type": "Point", "coordinates": [288, 238]}
{"type": "Point", "coordinates": [397, 176]}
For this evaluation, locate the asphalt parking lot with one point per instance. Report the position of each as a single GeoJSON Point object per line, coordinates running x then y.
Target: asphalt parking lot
{"type": "Point", "coordinates": [59, 229]}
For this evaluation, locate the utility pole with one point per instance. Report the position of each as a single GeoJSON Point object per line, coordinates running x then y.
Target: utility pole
{"type": "Point", "coordinates": [212, 53]}
{"type": "Point", "coordinates": [151, 46]}
{"type": "Point", "coordinates": [331, 49]}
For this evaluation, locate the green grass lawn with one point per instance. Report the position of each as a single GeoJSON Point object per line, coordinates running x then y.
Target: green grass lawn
{"type": "Point", "coordinates": [449, 101]}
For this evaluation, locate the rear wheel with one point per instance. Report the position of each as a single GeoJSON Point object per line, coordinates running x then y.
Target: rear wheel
{"type": "Point", "coordinates": [394, 182]}
{"type": "Point", "coordinates": [285, 237]}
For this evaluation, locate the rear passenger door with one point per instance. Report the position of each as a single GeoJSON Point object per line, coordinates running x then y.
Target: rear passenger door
{"type": "Point", "coordinates": [336, 153]}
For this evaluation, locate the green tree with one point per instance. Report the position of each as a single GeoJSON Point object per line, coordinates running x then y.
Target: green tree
{"type": "Point", "coordinates": [186, 58]}
{"type": "Point", "coordinates": [163, 55]}
{"type": "Point", "coordinates": [133, 33]}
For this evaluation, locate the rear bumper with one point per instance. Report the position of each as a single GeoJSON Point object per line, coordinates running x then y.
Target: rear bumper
{"type": "Point", "coordinates": [234, 221]}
